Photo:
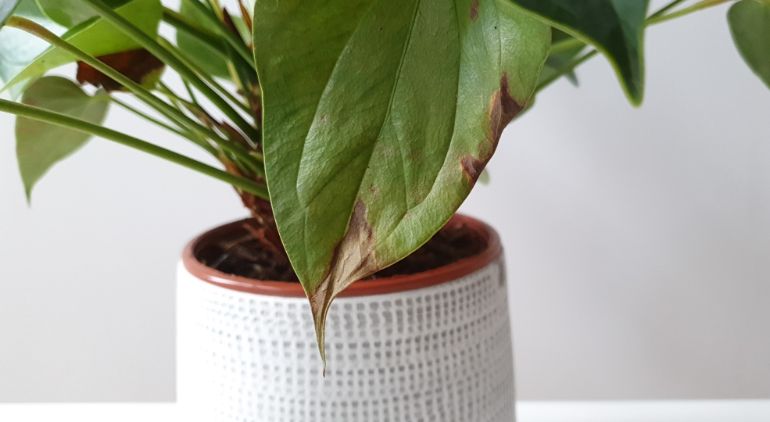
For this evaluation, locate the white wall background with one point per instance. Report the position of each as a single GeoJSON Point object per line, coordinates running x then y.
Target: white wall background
{"type": "Point", "coordinates": [638, 242]}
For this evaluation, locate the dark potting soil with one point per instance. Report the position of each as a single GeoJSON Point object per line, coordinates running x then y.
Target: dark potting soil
{"type": "Point", "coordinates": [249, 255]}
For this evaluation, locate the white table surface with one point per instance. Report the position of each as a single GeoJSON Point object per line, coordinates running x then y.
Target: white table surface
{"type": "Point", "coordinates": [626, 411]}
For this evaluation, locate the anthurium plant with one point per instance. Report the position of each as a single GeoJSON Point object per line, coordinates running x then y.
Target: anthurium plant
{"type": "Point", "coordinates": [351, 129]}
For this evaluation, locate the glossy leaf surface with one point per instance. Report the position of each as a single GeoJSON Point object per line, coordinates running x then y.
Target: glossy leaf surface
{"type": "Point", "coordinates": [39, 146]}
{"type": "Point", "coordinates": [750, 26]}
{"type": "Point", "coordinates": [379, 117]}
{"type": "Point", "coordinates": [614, 27]}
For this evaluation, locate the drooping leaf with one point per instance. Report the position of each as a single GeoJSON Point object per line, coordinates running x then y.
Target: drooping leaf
{"type": "Point", "coordinates": [39, 145]}
{"type": "Point", "coordinates": [557, 60]}
{"type": "Point", "coordinates": [69, 13]}
{"type": "Point", "coordinates": [614, 27]}
{"type": "Point", "coordinates": [96, 37]}
{"type": "Point", "coordinates": [212, 61]}
{"type": "Point", "coordinates": [138, 65]}
{"type": "Point", "coordinates": [379, 117]}
{"type": "Point", "coordinates": [6, 10]}
{"type": "Point", "coordinates": [750, 26]}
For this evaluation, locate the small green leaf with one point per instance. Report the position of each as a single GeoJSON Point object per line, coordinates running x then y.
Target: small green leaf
{"type": "Point", "coordinates": [6, 10]}
{"type": "Point", "coordinates": [212, 61]}
{"type": "Point", "coordinates": [96, 37]}
{"type": "Point", "coordinates": [750, 26]}
{"type": "Point", "coordinates": [614, 27]}
{"type": "Point", "coordinates": [379, 117]}
{"type": "Point", "coordinates": [69, 13]}
{"type": "Point", "coordinates": [39, 145]}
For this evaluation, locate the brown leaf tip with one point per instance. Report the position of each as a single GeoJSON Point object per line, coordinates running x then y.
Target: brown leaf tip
{"type": "Point", "coordinates": [503, 109]}
{"type": "Point", "coordinates": [474, 10]}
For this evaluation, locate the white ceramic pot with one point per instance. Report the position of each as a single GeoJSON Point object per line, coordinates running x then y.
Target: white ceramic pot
{"type": "Point", "coordinates": [433, 346]}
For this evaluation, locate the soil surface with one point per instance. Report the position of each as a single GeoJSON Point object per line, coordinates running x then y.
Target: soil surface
{"type": "Point", "coordinates": [247, 254]}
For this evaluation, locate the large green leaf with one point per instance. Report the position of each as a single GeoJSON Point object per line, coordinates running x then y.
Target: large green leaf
{"type": "Point", "coordinates": [750, 25]}
{"type": "Point", "coordinates": [379, 117]}
{"type": "Point", "coordinates": [212, 61]}
{"type": "Point", "coordinates": [6, 10]}
{"type": "Point", "coordinates": [40, 145]}
{"type": "Point", "coordinates": [96, 37]}
{"type": "Point", "coordinates": [72, 12]}
{"type": "Point", "coordinates": [614, 27]}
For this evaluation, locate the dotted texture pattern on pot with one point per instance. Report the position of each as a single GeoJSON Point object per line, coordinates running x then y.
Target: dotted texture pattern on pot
{"type": "Point", "coordinates": [439, 354]}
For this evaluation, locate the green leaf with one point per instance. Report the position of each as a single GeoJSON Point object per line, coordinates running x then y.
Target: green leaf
{"type": "Point", "coordinates": [750, 25]}
{"type": "Point", "coordinates": [212, 61]}
{"type": "Point", "coordinates": [6, 10]}
{"type": "Point", "coordinates": [39, 145]}
{"type": "Point", "coordinates": [614, 27]}
{"type": "Point", "coordinates": [70, 13]}
{"type": "Point", "coordinates": [96, 37]}
{"type": "Point", "coordinates": [379, 117]}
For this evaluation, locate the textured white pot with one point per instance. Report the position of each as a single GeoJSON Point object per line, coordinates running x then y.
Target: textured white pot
{"type": "Point", "coordinates": [434, 346]}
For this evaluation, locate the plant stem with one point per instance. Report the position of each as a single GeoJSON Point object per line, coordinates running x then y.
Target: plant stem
{"type": "Point", "coordinates": [149, 118]}
{"type": "Point", "coordinates": [172, 60]}
{"type": "Point", "coordinates": [63, 120]}
{"type": "Point", "coordinates": [234, 41]}
{"type": "Point", "coordinates": [658, 17]}
{"type": "Point", "coordinates": [704, 4]}
{"type": "Point", "coordinates": [181, 23]}
{"type": "Point", "coordinates": [569, 67]}
{"type": "Point", "coordinates": [142, 93]}
{"type": "Point", "coordinates": [137, 89]}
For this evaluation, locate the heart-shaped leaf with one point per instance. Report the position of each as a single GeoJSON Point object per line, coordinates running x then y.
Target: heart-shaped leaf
{"type": "Point", "coordinates": [39, 145]}
{"type": "Point", "coordinates": [750, 25]}
{"type": "Point", "coordinates": [6, 10]}
{"type": "Point", "coordinates": [614, 27]}
{"type": "Point", "coordinates": [69, 13]}
{"type": "Point", "coordinates": [96, 37]}
{"type": "Point", "coordinates": [379, 117]}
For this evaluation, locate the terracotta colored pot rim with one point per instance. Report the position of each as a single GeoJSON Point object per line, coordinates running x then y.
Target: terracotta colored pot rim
{"type": "Point", "coordinates": [446, 273]}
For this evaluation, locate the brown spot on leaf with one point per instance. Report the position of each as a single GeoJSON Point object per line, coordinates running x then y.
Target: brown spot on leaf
{"type": "Point", "coordinates": [352, 260]}
{"type": "Point", "coordinates": [472, 168]}
{"type": "Point", "coordinates": [502, 109]}
{"type": "Point", "coordinates": [474, 10]}
{"type": "Point", "coordinates": [138, 65]}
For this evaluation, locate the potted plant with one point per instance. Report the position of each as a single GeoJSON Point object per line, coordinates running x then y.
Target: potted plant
{"type": "Point", "coordinates": [352, 131]}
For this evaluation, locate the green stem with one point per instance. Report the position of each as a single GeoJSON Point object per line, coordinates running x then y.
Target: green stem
{"type": "Point", "coordinates": [659, 16]}
{"type": "Point", "coordinates": [137, 89]}
{"type": "Point", "coordinates": [62, 120]}
{"type": "Point", "coordinates": [205, 76]}
{"type": "Point", "coordinates": [569, 67]}
{"type": "Point", "coordinates": [181, 23]}
{"type": "Point", "coordinates": [171, 59]}
{"type": "Point", "coordinates": [686, 11]}
{"type": "Point", "coordinates": [234, 41]}
{"type": "Point", "coordinates": [149, 118]}
{"type": "Point", "coordinates": [666, 8]}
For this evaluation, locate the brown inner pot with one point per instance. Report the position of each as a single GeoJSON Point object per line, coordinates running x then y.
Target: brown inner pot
{"type": "Point", "coordinates": [230, 256]}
